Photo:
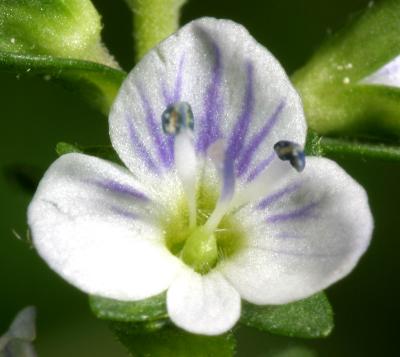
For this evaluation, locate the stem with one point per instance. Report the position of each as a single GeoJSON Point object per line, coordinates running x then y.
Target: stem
{"type": "Point", "coordinates": [325, 146]}
{"type": "Point", "coordinates": [154, 20]}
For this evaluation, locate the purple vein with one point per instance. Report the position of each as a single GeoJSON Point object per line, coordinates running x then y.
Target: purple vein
{"type": "Point", "coordinates": [257, 139]}
{"type": "Point", "coordinates": [119, 188]}
{"type": "Point", "coordinates": [124, 213]}
{"type": "Point", "coordinates": [170, 98]}
{"type": "Point", "coordinates": [239, 132]}
{"type": "Point", "coordinates": [297, 214]}
{"type": "Point", "coordinates": [165, 93]}
{"type": "Point", "coordinates": [261, 167]}
{"type": "Point", "coordinates": [140, 148]}
{"type": "Point", "coordinates": [154, 129]}
{"type": "Point", "coordinates": [228, 178]}
{"type": "Point", "coordinates": [209, 125]}
{"type": "Point", "coordinates": [276, 196]}
{"type": "Point", "coordinates": [178, 82]}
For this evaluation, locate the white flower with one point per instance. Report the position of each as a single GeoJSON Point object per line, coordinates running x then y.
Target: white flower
{"type": "Point", "coordinates": [208, 209]}
{"type": "Point", "coordinates": [388, 74]}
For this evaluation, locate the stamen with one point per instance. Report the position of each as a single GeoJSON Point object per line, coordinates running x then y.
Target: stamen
{"type": "Point", "coordinates": [275, 173]}
{"type": "Point", "coordinates": [177, 120]}
{"type": "Point", "coordinates": [287, 150]}
{"type": "Point", "coordinates": [177, 117]}
{"type": "Point", "coordinates": [225, 166]}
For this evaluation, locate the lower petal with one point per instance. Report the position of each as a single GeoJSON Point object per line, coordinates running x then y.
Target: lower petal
{"type": "Point", "coordinates": [203, 304]}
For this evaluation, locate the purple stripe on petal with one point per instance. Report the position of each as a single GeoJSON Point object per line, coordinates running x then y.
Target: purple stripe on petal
{"type": "Point", "coordinates": [272, 198]}
{"type": "Point", "coordinates": [140, 148]}
{"type": "Point", "coordinates": [209, 128]}
{"type": "Point", "coordinates": [304, 212]}
{"type": "Point", "coordinates": [124, 213]}
{"type": "Point", "coordinates": [228, 180]}
{"type": "Point", "coordinates": [178, 82]}
{"type": "Point", "coordinates": [154, 129]}
{"type": "Point", "coordinates": [120, 188]}
{"type": "Point", "coordinates": [171, 98]}
{"type": "Point", "coordinates": [239, 132]}
{"type": "Point", "coordinates": [261, 167]}
{"type": "Point", "coordinates": [170, 145]}
{"type": "Point", "coordinates": [257, 139]}
{"type": "Point", "coordinates": [165, 93]}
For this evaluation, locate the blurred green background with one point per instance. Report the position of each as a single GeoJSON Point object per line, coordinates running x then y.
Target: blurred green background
{"type": "Point", "coordinates": [37, 114]}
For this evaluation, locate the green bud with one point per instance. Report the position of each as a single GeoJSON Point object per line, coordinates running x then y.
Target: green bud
{"type": "Point", "coordinates": [60, 28]}
{"type": "Point", "coordinates": [200, 251]}
{"type": "Point", "coordinates": [336, 101]}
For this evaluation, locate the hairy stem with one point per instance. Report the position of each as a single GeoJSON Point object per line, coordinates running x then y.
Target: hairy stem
{"type": "Point", "coordinates": [154, 20]}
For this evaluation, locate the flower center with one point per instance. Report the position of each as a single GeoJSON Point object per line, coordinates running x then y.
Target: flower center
{"type": "Point", "coordinates": [197, 246]}
{"type": "Point", "coordinates": [203, 230]}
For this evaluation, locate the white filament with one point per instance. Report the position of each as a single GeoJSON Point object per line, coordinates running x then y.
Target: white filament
{"type": "Point", "coordinates": [272, 177]}
{"type": "Point", "coordinates": [216, 153]}
{"type": "Point", "coordinates": [186, 167]}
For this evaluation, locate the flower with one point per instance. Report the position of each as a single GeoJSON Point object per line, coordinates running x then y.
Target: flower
{"type": "Point", "coordinates": [388, 74]}
{"type": "Point", "coordinates": [215, 206]}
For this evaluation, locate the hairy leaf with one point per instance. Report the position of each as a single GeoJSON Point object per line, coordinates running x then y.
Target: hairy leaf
{"type": "Point", "coordinates": [308, 318]}
{"type": "Point", "coordinates": [153, 308]}
{"type": "Point", "coordinates": [173, 342]}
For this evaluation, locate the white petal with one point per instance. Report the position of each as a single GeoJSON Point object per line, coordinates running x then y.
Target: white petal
{"type": "Point", "coordinates": [236, 88]}
{"type": "Point", "coordinates": [302, 238]}
{"type": "Point", "coordinates": [388, 75]}
{"type": "Point", "coordinates": [203, 304]}
{"type": "Point", "coordinates": [87, 223]}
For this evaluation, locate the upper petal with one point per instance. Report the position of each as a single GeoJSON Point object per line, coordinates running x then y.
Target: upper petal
{"type": "Point", "coordinates": [203, 304]}
{"type": "Point", "coordinates": [303, 237]}
{"type": "Point", "coordinates": [236, 88]}
{"type": "Point", "coordinates": [91, 222]}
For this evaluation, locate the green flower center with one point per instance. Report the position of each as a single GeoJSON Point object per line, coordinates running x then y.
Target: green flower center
{"type": "Point", "coordinates": [198, 248]}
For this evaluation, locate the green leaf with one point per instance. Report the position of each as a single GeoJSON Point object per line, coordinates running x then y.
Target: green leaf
{"type": "Point", "coordinates": [153, 308]}
{"type": "Point", "coordinates": [293, 351]}
{"type": "Point", "coordinates": [144, 328]}
{"type": "Point", "coordinates": [325, 146]}
{"type": "Point", "coordinates": [104, 152]}
{"type": "Point", "coordinates": [66, 148]}
{"type": "Point", "coordinates": [309, 318]}
{"type": "Point", "coordinates": [335, 101]}
{"type": "Point", "coordinates": [98, 83]}
{"type": "Point", "coordinates": [173, 342]}
{"type": "Point", "coordinates": [60, 28]}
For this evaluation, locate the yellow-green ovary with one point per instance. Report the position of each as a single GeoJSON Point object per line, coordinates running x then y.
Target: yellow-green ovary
{"type": "Point", "coordinates": [229, 236]}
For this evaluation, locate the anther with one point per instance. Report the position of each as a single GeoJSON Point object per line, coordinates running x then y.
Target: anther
{"type": "Point", "coordinates": [292, 152]}
{"type": "Point", "coordinates": [176, 117]}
